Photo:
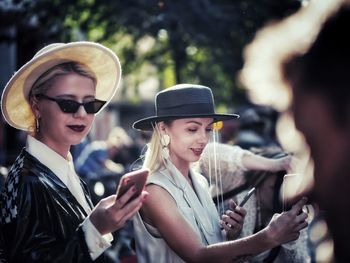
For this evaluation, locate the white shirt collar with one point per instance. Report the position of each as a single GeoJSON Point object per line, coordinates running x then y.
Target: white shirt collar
{"type": "Point", "coordinates": [62, 168]}
{"type": "Point", "coordinates": [55, 162]}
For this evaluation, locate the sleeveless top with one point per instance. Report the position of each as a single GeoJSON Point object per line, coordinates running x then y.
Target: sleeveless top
{"type": "Point", "coordinates": [196, 206]}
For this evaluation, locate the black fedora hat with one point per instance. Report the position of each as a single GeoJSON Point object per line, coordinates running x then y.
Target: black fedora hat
{"type": "Point", "coordinates": [183, 101]}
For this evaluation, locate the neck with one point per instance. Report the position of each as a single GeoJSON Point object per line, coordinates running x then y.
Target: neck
{"type": "Point", "coordinates": [58, 148]}
{"type": "Point", "coordinates": [182, 166]}
{"type": "Point", "coordinates": [184, 171]}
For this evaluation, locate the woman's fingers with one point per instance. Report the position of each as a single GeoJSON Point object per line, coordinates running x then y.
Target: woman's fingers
{"type": "Point", "coordinates": [225, 225]}
{"type": "Point", "coordinates": [110, 213]}
{"type": "Point", "coordinates": [237, 214]}
{"type": "Point", "coordinates": [241, 211]}
{"type": "Point", "coordinates": [232, 204]}
{"type": "Point", "coordinates": [129, 209]}
{"type": "Point", "coordinates": [301, 226]}
{"type": "Point", "coordinates": [125, 204]}
{"type": "Point", "coordinates": [233, 220]}
{"type": "Point", "coordinates": [120, 202]}
{"type": "Point", "coordinates": [134, 205]}
{"type": "Point", "coordinates": [229, 221]}
{"type": "Point", "coordinates": [302, 217]}
{"type": "Point", "coordinates": [107, 201]}
{"type": "Point", "coordinates": [298, 206]}
{"type": "Point", "coordinates": [232, 216]}
{"type": "Point", "coordinates": [286, 226]}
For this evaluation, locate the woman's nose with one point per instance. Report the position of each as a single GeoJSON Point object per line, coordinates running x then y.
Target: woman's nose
{"type": "Point", "coordinates": [80, 112]}
{"type": "Point", "coordinates": [203, 137]}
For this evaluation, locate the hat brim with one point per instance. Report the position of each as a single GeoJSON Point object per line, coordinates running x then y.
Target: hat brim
{"type": "Point", "coordinates": [146, 124]}
{"type": "Point", "coordinates": [99, 59]}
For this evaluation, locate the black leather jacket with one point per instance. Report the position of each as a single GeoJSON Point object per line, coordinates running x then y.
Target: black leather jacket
{"type": "Point", "coordinates": [40, 217]}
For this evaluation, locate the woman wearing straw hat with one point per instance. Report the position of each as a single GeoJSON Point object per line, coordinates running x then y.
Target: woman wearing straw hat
{"type": "Point", "coordinates": [46, 213]}
{"type": "Point", "coordinates": [179, 222]}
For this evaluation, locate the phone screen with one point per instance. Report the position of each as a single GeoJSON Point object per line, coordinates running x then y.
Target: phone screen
{"type": "Point", "coordinates": [136, 178]}
{"type": "Point", "coordinates": [247, 196]}
{"type": "Point", "coordinates": [287, 191]}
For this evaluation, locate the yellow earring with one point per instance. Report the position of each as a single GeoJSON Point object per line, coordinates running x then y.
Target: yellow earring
{"type": "Point", "coordinates": [165, 140]}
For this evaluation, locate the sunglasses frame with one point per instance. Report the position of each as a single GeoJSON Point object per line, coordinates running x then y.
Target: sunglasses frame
{"type": "Point", "coordinates": [74, 104]}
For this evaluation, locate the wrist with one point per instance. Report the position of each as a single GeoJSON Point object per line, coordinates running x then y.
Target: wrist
{"type": "Point", "coordinates": [94, 221]}
{"type": "Point", "coordinates": [269, 238]}
{"type": "Point", "coordinates": [281, 164]}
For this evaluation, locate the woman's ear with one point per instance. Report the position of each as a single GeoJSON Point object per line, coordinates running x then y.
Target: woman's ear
{"type": "Point", "coordinates": [162, 127]}
{"type": "Point", "coordinates": [33, 102]}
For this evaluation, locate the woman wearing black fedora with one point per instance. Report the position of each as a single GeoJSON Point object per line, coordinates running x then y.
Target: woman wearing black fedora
{"type": "Point", "coordinates": [46, 212]}
{"type": "Point", "coordinates": [179, 222]}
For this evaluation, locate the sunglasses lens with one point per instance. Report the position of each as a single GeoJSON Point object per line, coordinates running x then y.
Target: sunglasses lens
{"type": "Point", "coordinates": [93, 107]}
{"type": "Point", "coordinates": [68, 106]}
{"type": "Point", "coordinates": [71, 106]}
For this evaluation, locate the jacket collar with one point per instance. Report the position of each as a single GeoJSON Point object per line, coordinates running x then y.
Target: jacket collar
{"type": "Point", "coordinates": [52, 160]}
{"type": "Point", "coordinates": [196, 197]}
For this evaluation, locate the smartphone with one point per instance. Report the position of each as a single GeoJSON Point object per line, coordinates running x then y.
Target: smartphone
{"type": "Point", "coordinates": [136, 178]}
{"type": "Point", "coordinates": [288, 191]}
{"type": "Point", "coordinates": [247, 196]}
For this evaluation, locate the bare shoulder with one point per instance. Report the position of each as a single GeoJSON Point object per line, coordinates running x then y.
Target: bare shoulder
{"type": "Point", "coordinates": [158, 196]}
{"type": "Point", "coordinates": [158, 201]}
{"type": "Point", "coordinates": [161, 211]}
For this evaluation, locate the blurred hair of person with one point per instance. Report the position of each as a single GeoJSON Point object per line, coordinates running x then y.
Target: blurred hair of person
{"type": "Point", "coordinates": [313, 65]}
{"type": "Point", "coordinates": [320, 81]}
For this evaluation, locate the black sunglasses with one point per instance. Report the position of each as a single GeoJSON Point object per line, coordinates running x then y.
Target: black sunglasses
{"type": "Point", "coordinates": [72, 106]}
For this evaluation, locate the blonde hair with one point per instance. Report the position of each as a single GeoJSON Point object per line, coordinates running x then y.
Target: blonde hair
{"type": "Point", "coordinates": [154, 158]}
{"type": "Point", "coordinates": [46, 80]}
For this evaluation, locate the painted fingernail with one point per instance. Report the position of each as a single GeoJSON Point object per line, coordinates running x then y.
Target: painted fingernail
{"type": "Point", "coordinates": [145, 194]}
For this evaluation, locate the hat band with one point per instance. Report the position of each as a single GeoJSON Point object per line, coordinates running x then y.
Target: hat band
{"type": "Point", "coordinates": [187, 109]}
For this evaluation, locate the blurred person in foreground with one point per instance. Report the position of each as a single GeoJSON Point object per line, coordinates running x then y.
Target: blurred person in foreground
{"type": "Point", "coordinates": [179, 221]}
{"type": "Point", "coordinates": [46, 211]}
{"type": "Point", "coordinates": [314, 65]}
{"type": "Point", "coordinates": [319, 80]}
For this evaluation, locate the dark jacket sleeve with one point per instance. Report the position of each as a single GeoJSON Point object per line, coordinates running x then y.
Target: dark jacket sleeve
{"type": "Point", "coordinates": [2, 247]}
{"type": "Point", "coordinates": [47, 226]}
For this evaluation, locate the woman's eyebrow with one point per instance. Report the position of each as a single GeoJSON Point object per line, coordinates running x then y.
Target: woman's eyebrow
{"type": "Point", "coordinates": [199, 123]}
{"type": "Point", "coordinates": [195, 122]}
{"type": "Point", "coordinates": [71, 96]}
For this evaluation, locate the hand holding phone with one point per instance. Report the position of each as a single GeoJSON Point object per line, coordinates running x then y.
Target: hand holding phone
{"type": "Point", "coordinates": [233, 217]}
{"type": "Point", "coordinates": [136, 178]}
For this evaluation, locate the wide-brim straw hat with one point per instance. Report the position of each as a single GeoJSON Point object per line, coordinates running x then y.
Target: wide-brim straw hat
{"type": "Point", "coordinates": [102, 61]}
{"type": "Point", "coordinates": [183, 101]}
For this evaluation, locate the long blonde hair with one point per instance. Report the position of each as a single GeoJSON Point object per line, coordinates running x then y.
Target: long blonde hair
{"type": "Point", "coordinates": [154, 158]}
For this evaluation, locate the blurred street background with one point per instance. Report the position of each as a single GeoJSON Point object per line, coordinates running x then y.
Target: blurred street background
{"type": "Point", "coordinates": [159, 43]}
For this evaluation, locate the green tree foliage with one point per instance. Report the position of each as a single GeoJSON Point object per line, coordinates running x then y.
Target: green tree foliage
{"type": "Point", "coordinates": [198, 41]}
